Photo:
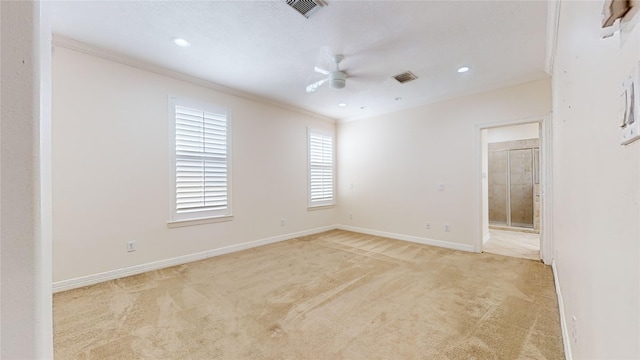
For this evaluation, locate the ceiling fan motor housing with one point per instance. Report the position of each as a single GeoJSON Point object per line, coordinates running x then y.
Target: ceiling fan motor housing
{"type": "Point", "coordinates": [337, 79]}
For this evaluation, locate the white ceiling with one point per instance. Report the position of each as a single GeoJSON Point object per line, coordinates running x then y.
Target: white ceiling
{"type": "Point", "coordinates": [266, 48]}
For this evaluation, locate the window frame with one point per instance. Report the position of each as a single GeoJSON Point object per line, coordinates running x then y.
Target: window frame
{"type": "Point", "coordinates": [312, 205]}
{"type": "Point", "coordinates": [177, 219]}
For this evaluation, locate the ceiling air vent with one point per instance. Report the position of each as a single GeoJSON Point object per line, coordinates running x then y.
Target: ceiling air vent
{"type": "Point", "coordinates": [306, 7]}
{"type": "Point", "coordinates": [405, 77]}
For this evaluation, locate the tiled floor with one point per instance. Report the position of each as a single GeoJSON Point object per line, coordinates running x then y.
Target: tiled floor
{"type": "Point", "coordinates": [514, 243]}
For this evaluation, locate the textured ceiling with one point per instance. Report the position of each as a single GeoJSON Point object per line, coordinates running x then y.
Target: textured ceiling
{"type": "Point", "coordinates": [266, 48]}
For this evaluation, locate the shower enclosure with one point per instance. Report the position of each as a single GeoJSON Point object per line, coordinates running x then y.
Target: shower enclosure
{"type": "Point", "coordinates": [514, 184]}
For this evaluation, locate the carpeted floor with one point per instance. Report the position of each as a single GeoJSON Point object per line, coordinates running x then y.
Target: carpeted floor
{"type": "Point", "coordinates": [335, 295]}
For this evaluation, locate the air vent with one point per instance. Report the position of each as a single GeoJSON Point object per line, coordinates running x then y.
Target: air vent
{"type": "Point", "coordinates": [405, 77]}
{"type": "Point", "coordinates": [306, 7]}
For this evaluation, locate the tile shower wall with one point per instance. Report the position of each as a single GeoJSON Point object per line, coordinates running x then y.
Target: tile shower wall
{"type": "Point", "coordinates": [521, 187]}
{"type": "Point", "coordinates": [512, 183]}
{"type": "Point", "coordinates": [498, 187]}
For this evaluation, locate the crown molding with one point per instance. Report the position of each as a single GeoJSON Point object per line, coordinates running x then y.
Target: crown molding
{"type": "Point", "coordinates": [88, 49]}
{"type": "Point", "coordinates": [553, 22]}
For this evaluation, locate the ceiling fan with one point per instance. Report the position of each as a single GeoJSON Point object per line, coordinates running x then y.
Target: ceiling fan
{"type": "Point", "coordinates": [337, 78]}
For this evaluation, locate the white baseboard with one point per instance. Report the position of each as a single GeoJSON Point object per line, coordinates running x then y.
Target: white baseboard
{"type": "Point", "coordinates": [78, 282]}
{"type": "Point", "coordinates": [414, 239]}
{"type": "Point", "coordinates": [566, 340]}
{"type": "Point", "coordinates": [486, 238]}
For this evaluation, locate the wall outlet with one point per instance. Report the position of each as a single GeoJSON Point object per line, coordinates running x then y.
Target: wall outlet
{"type": "Point", "coordinates": [350, 216]}
{"type": "Point", "coordinates": [447, 228]}
{"type": "Point", "coordinates": [441, 187]}
{"type": "Point", "coordinates": [131, 246]}
{"type": "Point", "coordinates": [428, 226]}
{"type": "Point", "coordinates": [574, 329]}
{"type": "Point", "coordinates": [282, 222]}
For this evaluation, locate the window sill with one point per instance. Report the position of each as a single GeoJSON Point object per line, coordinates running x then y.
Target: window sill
{"type": "Point", "coordinates": [200, 221]}
{"type": "Point", "coordinates": [320, 207]}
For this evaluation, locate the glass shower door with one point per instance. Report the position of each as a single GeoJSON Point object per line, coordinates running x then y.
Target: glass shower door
{"type": "Point", "coordinates": [498, 185]}
{"type": "Point", "coordinates": [512, 187]}
{"type": "Point", "coordinates": [521, 187]}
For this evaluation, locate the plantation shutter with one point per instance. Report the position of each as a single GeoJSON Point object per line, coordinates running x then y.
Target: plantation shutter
{"type": "Point", "coordinates": [321, 177]}
{"type": "Point", "coordinates": [201, 161]}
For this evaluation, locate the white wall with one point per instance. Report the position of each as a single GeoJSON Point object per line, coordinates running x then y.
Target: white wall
{"type": "Point", "coordinates": [514, 132]}
{"type": "Point", "coordinates": [596, 188]}
{"type": "Point", "coordinates": [486, 235]}
{"type": "Point", "coordinates": [111, 168]}
{"type": "Point", "coordinates": [25, 280]}
{"type": "Point", "coordinates": [396, 161]}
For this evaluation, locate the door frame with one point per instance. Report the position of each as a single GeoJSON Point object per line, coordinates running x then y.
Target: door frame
{"type": "Point", "coordinates": [546, 239]}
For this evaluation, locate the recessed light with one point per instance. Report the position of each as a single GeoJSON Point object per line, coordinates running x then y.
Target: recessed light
{"type": "Point", "coordinates": [463, 69]}
{"type": "Point", "coordinates": [181, 42]}
{"type": "Point", "coordinates": [342, 104]}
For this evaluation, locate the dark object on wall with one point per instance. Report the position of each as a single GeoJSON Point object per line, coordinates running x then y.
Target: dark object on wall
{"type": "Point", "coordinates": [613, 10]}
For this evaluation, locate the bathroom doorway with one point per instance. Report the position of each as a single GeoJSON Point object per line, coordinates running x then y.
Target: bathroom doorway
{"type": "Point", "coordinates": [511, 179]}
{"type": "Point", "coordinates": [514, 183]}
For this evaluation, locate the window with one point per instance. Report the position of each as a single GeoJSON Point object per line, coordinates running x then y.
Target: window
{"type": "Point", "coordinates": [321, 169]}
{"type": "Point", "coordinates": [200, 161]}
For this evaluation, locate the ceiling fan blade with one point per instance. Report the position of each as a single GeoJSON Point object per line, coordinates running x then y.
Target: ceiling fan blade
{"type": "Point", "coordinates": [321, 70]}
{"type": "Point", "coordinates": [325, 58]}
{"type": "Point", "coordinates": [313, 87]}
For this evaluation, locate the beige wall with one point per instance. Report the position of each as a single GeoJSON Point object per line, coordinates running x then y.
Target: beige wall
{"type": "Point", "coordinates": [596, 187]}
{"type": "Point", "coordinates": [111, 168]}
{"type": "Point", "coordinates": [396, 161]}
{"type": "Point", "coordinates": [514, 132]}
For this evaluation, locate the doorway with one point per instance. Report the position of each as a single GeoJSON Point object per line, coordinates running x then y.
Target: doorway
{"type": "Point", "coordinates": [514, 182]}
{"type": "Point", "coordinates": [511, 189]}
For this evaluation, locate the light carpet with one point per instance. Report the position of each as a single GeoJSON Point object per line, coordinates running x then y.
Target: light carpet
{"type": "Point", "coordinates": [334, 295]}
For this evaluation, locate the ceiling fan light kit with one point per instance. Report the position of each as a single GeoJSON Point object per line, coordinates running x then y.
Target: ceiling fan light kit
{"type": "Point", "coordinates": [337, 79]}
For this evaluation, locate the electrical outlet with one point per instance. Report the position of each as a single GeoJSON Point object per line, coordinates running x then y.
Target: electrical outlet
{"type": "Point", "coordinates": [350, 216]}
{"type": "Point", "coordinates": [574, 329]}
{"type": "Point", "coordinates": [131, 246]}
{"type": "Point", "coordinates": [447, 228]}
{"type": "Point", "coordinates": [428, 226]}
{"type": "Point", "coordinates": [282, 222]}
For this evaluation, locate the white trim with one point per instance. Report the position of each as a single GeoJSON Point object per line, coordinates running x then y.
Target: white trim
{"type": "Point", "coordinates": [177, 219]}
{"type": "Point", "coordinates": [553, 22]}
{"type": "Point", "coordinates": [566, 340]}
{"type": "Point", "coordinates": [44, 258]}
{"type": "Point", "coordinates": [84, 48]}
{"type": "Point", "coordinates": [321, 207]}
{"type": "Point", "coordinates": [332, 201]}
{"type": "Point", "coordinates": [78, 282]}
{"type": "Point", "coordinates": [200, 221]}
{"type": "Point", "coordinates": [414, 239]}
{"type": "Point", "coordinates": [546, 244]}
{"type": "Point", "coordinates": [486, 238]}
{"type": "Point", "coordinates": [546, 194]}
{"type": "Point", "coordinates": [93, 279]}
{"type": "Point", "coordinates": [443, 98]}
{"type": "Point", "coordinates": [477, 222]}
{"type": "Point", "coordinates": [521, 121]}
